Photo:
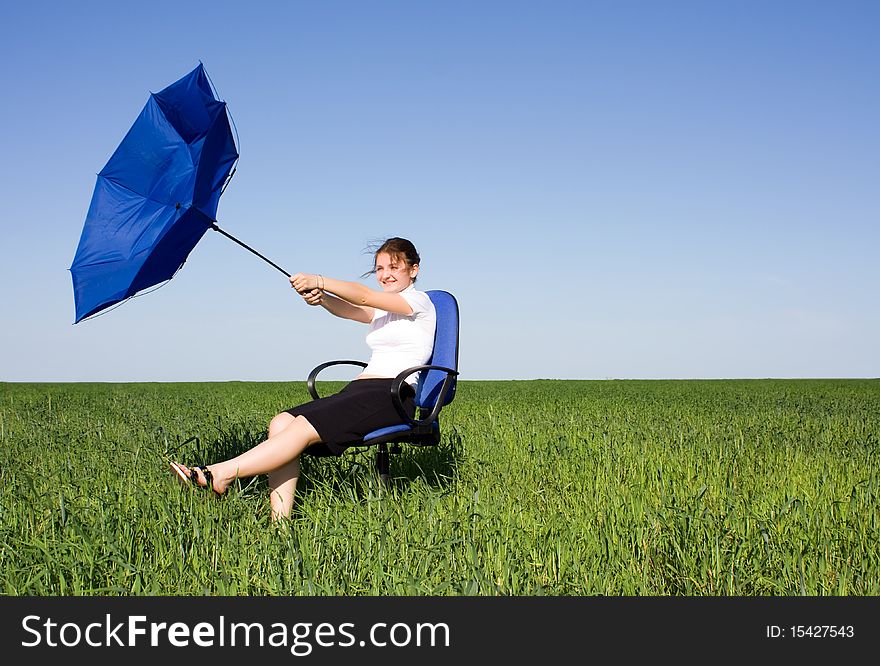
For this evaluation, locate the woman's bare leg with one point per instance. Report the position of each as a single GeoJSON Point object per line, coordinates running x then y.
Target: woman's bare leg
{"type": "Point", "coordinates": [278, 456]}
{"type": "Point", "coordinates": [282, 481]}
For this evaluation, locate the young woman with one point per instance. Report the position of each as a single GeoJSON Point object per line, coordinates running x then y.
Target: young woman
{"type": "Point", "coordinates": [401, 323]}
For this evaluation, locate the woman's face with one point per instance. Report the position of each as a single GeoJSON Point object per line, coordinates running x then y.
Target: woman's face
{"type": "Point", "coordinates": [393, 273]}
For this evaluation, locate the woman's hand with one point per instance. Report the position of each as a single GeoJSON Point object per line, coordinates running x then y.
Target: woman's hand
{"type": "Point", "coordinates": [303, 282]}
{"type": "Point", "coordinates": [313, 296]}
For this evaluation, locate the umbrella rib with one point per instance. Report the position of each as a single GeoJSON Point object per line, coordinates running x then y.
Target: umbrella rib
{"type": "Point", "coordinates": [125, 300]}
{"type": "Point", "coordinates": [147, 197]}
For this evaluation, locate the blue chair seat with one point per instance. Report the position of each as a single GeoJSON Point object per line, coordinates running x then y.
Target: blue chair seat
{"type": "Point", "coordinates": [395, 432]}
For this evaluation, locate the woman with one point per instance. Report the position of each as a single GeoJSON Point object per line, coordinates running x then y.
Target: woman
{"type": "Point", "coordinates": [401, 335]}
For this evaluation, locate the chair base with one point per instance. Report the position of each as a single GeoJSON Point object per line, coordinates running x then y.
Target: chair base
{"type": "Point", "coordinates": [385, 449]}
{"type": "Point", "coordinates": [382, 463]}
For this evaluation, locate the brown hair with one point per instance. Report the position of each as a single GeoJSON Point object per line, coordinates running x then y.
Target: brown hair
{"type": "Point", "coordinates": [397, 248]}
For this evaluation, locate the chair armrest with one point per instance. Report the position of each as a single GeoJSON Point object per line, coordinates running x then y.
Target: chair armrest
{"type": "Point", "coordinates": [313, 375]}
{"type": "Point", "coordinates": [444, 389]}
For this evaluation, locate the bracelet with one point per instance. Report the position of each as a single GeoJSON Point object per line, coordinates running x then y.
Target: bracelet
{"type": "Point", "coordinates": [320, 281]}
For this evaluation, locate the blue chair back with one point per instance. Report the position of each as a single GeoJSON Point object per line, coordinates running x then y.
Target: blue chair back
{"type": "Point", "coordinates": [445, 351]}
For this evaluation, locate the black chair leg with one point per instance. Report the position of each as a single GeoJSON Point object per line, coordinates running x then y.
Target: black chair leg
{"type": "Point", "coordinates": [382, 463]}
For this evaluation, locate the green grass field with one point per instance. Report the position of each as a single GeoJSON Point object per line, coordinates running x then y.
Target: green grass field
{"type": "Point", "coordinates": [745, 487]}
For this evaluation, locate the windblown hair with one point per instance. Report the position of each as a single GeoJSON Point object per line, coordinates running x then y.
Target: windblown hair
{"type": "Point", "coordinates": [397, 248]}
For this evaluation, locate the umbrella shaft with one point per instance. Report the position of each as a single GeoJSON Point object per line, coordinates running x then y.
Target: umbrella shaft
{"type": "Point", "coordinates": [247, 247]}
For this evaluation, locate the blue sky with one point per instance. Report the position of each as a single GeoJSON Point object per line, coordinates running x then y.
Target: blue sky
{"type": "Point", "coordinates": [611, 189]}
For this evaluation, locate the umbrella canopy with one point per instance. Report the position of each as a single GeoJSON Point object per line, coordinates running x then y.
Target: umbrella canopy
{"type": "Point", "coordinates": [156, 197]}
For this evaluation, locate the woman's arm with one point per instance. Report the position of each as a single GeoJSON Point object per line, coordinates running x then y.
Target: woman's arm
{"type": "Point", "coordinates": [338, 307]}
{"type": "Point", "coordinates": [353, 293]}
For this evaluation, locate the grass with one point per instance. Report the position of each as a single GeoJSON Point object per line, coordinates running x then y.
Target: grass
{"type": "Point", "coordinates": [689, 488]}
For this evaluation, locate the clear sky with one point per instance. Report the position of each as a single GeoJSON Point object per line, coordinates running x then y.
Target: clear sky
{"type": "Point", "coordinates": [612, 189]}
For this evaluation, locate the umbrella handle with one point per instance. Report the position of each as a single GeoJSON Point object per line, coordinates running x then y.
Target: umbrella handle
{"type": "Point", "coordinates": [247, 247]}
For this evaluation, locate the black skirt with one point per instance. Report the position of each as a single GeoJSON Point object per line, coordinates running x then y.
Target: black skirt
{"type": "Point", "coordinates": [343, 419]}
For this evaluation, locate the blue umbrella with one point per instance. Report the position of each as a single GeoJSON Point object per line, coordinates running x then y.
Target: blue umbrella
{"type": "Point", "coordinates": [156, 196]}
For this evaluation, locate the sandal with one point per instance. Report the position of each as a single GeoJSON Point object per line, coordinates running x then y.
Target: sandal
{"type": "Point", "coordinates": [193, 477]}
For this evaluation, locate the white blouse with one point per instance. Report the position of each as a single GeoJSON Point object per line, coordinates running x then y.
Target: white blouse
{"type": "Point", "coordinates": [401, 341]}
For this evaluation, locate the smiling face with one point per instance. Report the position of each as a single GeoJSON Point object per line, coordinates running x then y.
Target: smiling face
{"type": "Point", "coordinates": [393, 273]}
